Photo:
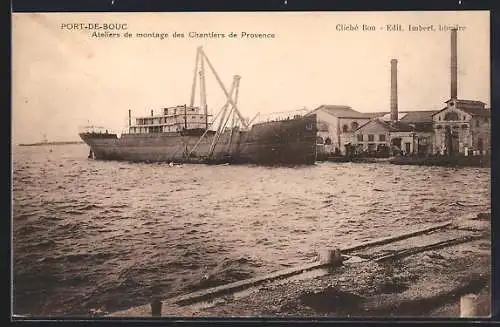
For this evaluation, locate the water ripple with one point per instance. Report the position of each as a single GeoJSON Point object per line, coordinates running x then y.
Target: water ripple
{"type": "Point", "coordinates": [91, 233]}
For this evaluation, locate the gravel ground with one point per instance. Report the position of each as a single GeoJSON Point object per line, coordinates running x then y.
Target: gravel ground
{"type": "Point", "coordinates": [427, 284]}
{"type": "Point", "coordinates": [414, 286]}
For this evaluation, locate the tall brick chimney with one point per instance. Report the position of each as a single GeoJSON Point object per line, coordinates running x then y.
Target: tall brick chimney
{"type": "Point", "coordinates": [453, 62]}
{"type": "Point", "coordinates": [394, 90]}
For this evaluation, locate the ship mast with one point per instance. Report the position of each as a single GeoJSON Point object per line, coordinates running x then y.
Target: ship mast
{"type": "Point", "coordinates": [199, 63]}
{"type": "Point", "coordinates": [203, 94]}
{"type": "Point", "coordinates": [193, 87]}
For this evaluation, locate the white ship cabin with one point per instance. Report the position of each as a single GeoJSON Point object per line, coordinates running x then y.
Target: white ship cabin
{"type": "Point", "coordinates": [171, 120]}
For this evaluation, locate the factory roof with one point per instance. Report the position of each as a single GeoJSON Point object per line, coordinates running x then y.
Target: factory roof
{"type": "Point", "coordinates": [472, 107]}
{"type": "Point", "coordinates": [467, 103]}
{"type": "Point", "coordinates": [346, 111]}
{"type": "Point", "coordinates": [422, 116]}
{"type": "Point", "coordinates": [397, 126]}
{"type": "Point", "coordinates": [482, 112]}
{"type": "Point", "coordinates": [400, 126]}
{"type": "Point", "coordinates": [407, 116]}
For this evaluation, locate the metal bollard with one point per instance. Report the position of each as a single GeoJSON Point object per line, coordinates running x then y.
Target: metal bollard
{"type": "Point", "coordinates": [330, 257]}
{"type": "Point", "coordinates": [156, 308]}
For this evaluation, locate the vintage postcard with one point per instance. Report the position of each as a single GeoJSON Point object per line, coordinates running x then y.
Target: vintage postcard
{"type": "Point", "coordinates": [251, 164]}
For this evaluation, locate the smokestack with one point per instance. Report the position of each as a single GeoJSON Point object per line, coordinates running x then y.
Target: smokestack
{"type": "Point", "coordinates": [152, 113]}
{"type": "Point", "coordinates": [453, 63]}
{"type": "Point", "coordinates": [394, 90]}
{"type": "Point", "coordinates": [129, 117]}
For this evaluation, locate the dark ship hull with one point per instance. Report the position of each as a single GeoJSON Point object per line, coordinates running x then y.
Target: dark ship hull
{"type": "Point", "coordinates": [286, 142]}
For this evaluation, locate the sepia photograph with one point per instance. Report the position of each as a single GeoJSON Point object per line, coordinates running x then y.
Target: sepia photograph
{"type": "Point", "coordinates": [251, 164]}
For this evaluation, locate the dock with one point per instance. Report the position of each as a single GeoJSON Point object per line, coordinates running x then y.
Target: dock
{"type": "Point", "coordinates": [332, 265]}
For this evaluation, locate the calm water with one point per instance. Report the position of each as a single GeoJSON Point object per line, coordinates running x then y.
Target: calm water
{"type": "Point", "coordinates": [90, 233]}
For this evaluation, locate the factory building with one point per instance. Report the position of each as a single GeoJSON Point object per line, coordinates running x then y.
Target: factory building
{"type": "Point", "coordinates": [384, 137]}
{"type": "Point", "coordinates": [408, 132]}
{"type": "Point", "coordinates": [463, 126]}
{"type": "Point", "coordinates": [337, 126]}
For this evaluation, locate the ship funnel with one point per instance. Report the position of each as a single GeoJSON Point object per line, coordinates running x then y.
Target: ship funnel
{"type": "Point", "coordinates": [394, 90]}
{"type": "Point", "coordinates": [453, 64]}
{"type": "Point", "coordinates": [129, 117]}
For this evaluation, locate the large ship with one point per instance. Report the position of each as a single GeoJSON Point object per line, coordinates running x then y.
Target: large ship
{"type": "Point", "coordinates": [189, 134]}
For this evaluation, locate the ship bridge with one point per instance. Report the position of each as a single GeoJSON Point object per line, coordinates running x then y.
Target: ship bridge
{"type": "Point", "coordinates": [171, 119]}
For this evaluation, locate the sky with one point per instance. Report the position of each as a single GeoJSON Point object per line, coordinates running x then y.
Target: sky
{"type": "Point", "coordinates": [65, 78]}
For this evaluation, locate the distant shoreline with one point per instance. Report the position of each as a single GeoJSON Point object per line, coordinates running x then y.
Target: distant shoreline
{"type": "Point", "coordinates": [51, 143]}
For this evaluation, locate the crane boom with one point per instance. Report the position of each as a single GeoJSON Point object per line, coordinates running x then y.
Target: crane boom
{"type": "Point", "coordinates": [224, 89]}
{"type": "Point", "coordinates": [193, 87]}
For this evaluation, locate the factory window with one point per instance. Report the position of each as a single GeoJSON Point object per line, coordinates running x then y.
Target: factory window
{"type": "Point", "coordinates": [371, 146]}
{"type": "Point", "coordinates": [371, 137]}
{"type": "Point", "coordinates": [322, 126]}
{"type": "Point", "coordinates": [439, 127]}
{"type": "Point", "coordinates": [345, 128]}
{"type": "Point", "coordinates": [477, 123]}
{"type": "Point", "coordinates": [464, 126]}
{"type": "Point", "coordinates": [464, 118]}
{"type": "Point", "coordinates": [451, 116]}
{"type": "Point", "coordinates": [439, 118]}
{"type": "Point", "coordinates": [381, 137]}
{"type": "Point", "coordinates": [455, 126]}
{"type": "Point", "coordinates": [354, 125]}
{"type": "Point", "coordinates": [360, 137]}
